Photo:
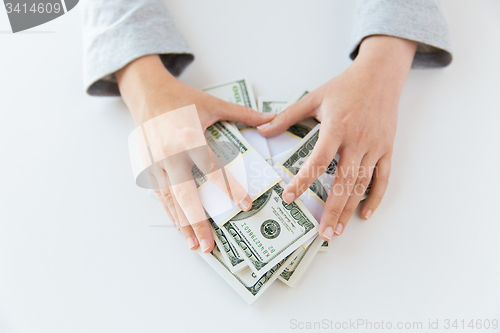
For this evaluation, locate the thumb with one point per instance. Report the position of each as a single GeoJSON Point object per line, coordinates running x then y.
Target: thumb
{"type": "Point", "coordinates": [296, 112]}
{"type": "Point", "coordinates": [244, 114]}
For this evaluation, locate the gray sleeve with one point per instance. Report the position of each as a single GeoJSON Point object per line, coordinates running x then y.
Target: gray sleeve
{"type": "Point", "coordinates": [418, 20]}
{"type": "Point", "coordinates": [115, 32]}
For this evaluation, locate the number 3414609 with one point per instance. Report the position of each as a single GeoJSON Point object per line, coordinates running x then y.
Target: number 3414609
{"type": "Point", "coordinates": [472, 324]}
{"type": "Point", "coordinates": [34, 8]}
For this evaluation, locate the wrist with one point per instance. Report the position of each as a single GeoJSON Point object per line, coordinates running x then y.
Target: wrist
{"type": "Point", "coordinates": [387, 59]}
{"type": "Point", "coordinates": [143, 84]}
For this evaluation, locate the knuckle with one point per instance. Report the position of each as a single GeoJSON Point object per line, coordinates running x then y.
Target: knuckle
{"type": "Point", "coordinates": [335, 212]}
{"type": "Point", "coordinates": [187, 134]}
{"type": "Point", "coordinates": [185, 227]}
{"type": "Point", "coordinates": [363, 181]}
{"type": "Point", "coordinates": [362, 135]}
{"type": "Point", "coordinates": [169, 199]}
{"type": "Point", "coordinates": [200, 228]}
{"type": "Point", "coordinates": [322, 158]}
{"type": "Point", "coordinates": [338, 129]}
{"type": "Point", "coordinates": [283, 116]}
{"type": "Point", "coordinates": [348, 211]}
{"type": "Point", "coordinates": [182, 196]}
{"type": "Point", "coordinates": [348, 180]}
{"type": "Point", "coordinates": [357, 149]}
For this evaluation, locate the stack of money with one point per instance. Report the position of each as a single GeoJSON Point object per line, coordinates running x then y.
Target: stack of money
{"type": "Point", "coordinates": [240, 256]}
{"type": "Point", "coordinates": [274, 239]}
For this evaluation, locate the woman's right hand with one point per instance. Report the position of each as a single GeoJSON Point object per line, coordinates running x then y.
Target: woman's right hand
{"type": "Point", "coordinates": [151, 92]}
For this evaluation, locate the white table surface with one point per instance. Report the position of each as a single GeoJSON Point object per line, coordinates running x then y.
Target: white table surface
{"type": "Point", "coordinates": [77, 250]}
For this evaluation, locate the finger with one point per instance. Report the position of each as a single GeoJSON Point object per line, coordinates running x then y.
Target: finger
{"type": "Point", "coordinates": [343, 184]}
{"type": "Point", "coordinates": [169, 202]}
{"type": "Point", "coordinates": [365, 173]}
{"type": "Point", "coordinates": [234, 112]}
{"type": "Point", "coordinates": [296, 112]}
{"type": "Point", "coordinates": [159, 178]}
{"type": "Point", "coordinates": [165, 207]}
{"type": "Point", "coordinates": [178, 215]}
{"type": "Point", "coordinates": [223, 179]}
{"type": "Point", "coordinates": [186, 229]}
{"type": "Point", "coordinates": [169, 198]}
{"type": "Point", "coordinates": [322, 155]}
{"type": "Point", "coordinates": [203, 232]}
{"type": "Point", "coordinates": [379, 186]}
{"type": "Point", "coordinates": [186, 195]}
{"type": "Point", "coordinates": [218, 174]}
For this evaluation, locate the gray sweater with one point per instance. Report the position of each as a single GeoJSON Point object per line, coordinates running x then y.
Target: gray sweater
{"type": "Point", "coordinates": [129, 29]}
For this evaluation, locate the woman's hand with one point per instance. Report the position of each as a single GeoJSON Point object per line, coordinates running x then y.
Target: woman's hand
{"type": "Point", "coordinates": [358, 115]}
{"type": "Point", "coordinates": [151, 92]}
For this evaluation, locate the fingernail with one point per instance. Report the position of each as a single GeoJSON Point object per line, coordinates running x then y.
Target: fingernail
{"type": "Point", "coordinates": [264, 126]}
{"type": "Point", "coordinates": [368, 214]}
{"type": "Point", "coordinates": [205, 245]}
{"type": "Point", "coordinates": [289, 197]}
{"type": "Point", "coordinates": [328, 233]}
{"type": "Point", "coordinates": [191, 243]}
{"type": "Point", "coordinates": [339, 228]}
{"type": "Point", "coordinates": [244, 205]}
{"type": "Point", "coordinates": [176, 225]}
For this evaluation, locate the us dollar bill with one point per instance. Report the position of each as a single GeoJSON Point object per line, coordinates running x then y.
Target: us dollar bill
{"type": "Point", "coordinates": [245, 282]}
{"type": "Point", "coordinates": [233, 258]}
{"type": "Point", "coordinates": [271, 105]}
{"type": "Point", "coordinates": [270, 230]}
{"type": "Point", "coordinates": [298, 156]}
{"type": "Point", "coordinates": [240, 92]}
{"type": "Point", "coordinates": [301, 129]}
{"type": "Point", "coordinates": [301, 259]}
{"type": "Point", "coordinates": [297, 96]}
{"type": "Point", "coordinates": [237, 91]}
{"type": "Point", "coordinates": [292, 136]}
{"type": "Point", "coordinates": [258, 142]}
{"type": "Point", "coordinates": [226, 145]}
{"type": "Point", "coordinates": [226, 142]}
{"type": "Point", "coordinates": [325, 246]}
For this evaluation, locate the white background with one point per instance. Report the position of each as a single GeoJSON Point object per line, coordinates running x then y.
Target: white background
{"type": "Point", "coordinates": [77, 250]}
